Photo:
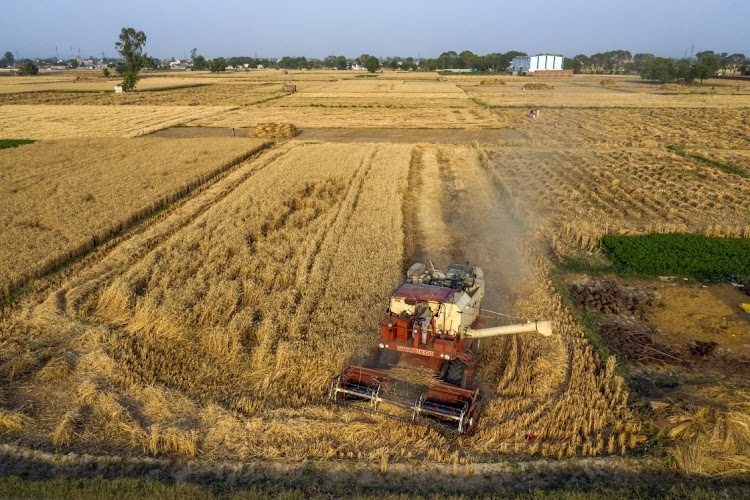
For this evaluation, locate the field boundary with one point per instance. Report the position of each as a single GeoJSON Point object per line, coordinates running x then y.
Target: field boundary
{"type": "Point", "coordinates": [512, 476]}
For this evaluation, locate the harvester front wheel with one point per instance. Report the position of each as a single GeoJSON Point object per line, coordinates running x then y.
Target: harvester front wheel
{"type": "Point", "coordinates": [456, 374]}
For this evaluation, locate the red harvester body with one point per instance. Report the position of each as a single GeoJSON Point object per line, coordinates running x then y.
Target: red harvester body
{"type": "Point", "coordinates": [429, 325]}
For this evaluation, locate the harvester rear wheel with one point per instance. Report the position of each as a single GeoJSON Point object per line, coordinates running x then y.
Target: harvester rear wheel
{"type": "Point", "coordinates": [456, 374]}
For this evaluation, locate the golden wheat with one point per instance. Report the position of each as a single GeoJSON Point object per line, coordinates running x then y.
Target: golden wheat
{"type": "Point", "coordinates": [61, 198]}
{"type": "Point", "coordinates": [75, 121]}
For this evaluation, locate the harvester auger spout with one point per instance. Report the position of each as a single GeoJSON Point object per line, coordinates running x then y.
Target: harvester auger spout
{"type": "Point", "coordinates": [429, 326]}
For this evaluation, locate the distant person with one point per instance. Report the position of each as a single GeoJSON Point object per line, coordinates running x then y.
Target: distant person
{"type": "Point", "coordinates": [537, 112]}
{"type": "Point", "coordinates": [233, 133]}
{"type": "Point", "coordinates": [523, 89]}
{"type": "Point", "coordinates": [531, 114]}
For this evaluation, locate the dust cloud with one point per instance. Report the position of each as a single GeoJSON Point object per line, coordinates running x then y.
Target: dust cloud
{"type": "Point", "coordinates": [454, 213]}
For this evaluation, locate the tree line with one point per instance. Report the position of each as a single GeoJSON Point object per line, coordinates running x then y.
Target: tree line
{"type": "Point", "coordinates": [705, 64]}
{"type": "Point", "coordinates": [662, 69]}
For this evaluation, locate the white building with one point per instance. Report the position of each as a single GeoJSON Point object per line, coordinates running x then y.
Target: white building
{"type": "Point", "coordinates": [530, 64]}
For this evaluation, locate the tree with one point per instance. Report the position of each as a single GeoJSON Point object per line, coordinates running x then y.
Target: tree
{"type": "Point", "coordinates": [105, 72]}
{"type": "Point", "coordinates": [342, 63]}
{"type": "Point", "coordinates": [447, 58]}
{"type": "Point", "coordinates": [200, 63]}
{"type": "Point", "coordinates": [468, 58]}
{"type": "Point", "coordinates": [703, 70]}
{"type": "Point", "coordinates": [686, 70]}
{"type": "Point", "coordinates": [193, 54]}
{"type": "Point", "coordinates": [493, 61]}
{"type": "Point", "coordinates": [659, 69]}
{"type": "Point", "coordinates": [573, 64]}
{"type": "Point", "coordinates": [733, 62]}
{"type": "Point", "coordinates": [372, 64]}
{"type": "Point", "coordinates": [330, 62]}
{"type": "Point", "coordinates": [130, 47]}
{"type": "Point", "coordinates": [121, 68]}
{"type": "Point", "coordinates": [218, 64]}
{"type": "Point", "coordinates": [639, 61]}
{"type": "Point", "coordinates": [7, 60]}
{"type": "Point", "coordinates": [28, 69]}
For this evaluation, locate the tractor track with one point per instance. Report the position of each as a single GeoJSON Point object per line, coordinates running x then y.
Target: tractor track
{"type": "Point", "coordinates": [325, 239]}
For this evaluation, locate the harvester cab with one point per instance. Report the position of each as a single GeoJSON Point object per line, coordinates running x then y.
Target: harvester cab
{"type": "Point", "coordinates": [429, 327]}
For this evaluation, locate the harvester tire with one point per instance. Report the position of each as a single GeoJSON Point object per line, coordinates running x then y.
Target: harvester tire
{"type": "Point", "coordinates": [456, 373]}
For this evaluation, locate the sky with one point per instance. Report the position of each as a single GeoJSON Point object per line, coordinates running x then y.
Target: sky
{"type": "Point", "coordinates": [272, 29]}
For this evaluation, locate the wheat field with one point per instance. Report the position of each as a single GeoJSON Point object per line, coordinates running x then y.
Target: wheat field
{"type": "Point", "coordinates": [312, 117]}
{"type": "Point", "coordinates": [221, 339]}
{"type": "Point", "coordinates": [618, 128]}
{"type": "Point", "coordinates": [579, 195]}
{"type": "Point", "coordinates": [60, 198]}
{"type": "Point", "coordinates": [225, 94]}
{"type": "Point", "coordinates": [213, 330]}
{"type": "Point", "coordinates": [77, 121]}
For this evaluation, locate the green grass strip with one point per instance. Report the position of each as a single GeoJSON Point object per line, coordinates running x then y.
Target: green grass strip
{"type": "Point", "coordinates": [682, 254]}
{"type": "Point", "coordinates": [14, 143]}
{"type": "Point", "coordinates": [725, 167]}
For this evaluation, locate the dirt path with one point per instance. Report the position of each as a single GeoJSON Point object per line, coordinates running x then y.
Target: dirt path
{"type": "Point", "coordinates": [460, 218]}
{"type": "Point", "coordinates": [354, 135]}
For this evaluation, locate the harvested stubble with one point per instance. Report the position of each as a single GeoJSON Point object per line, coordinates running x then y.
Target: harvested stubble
{"type": "Point", "coordinates": [608, 82]}
{"type": "Point", "coordinates": [580, 196]}
{"type": "Point", "coordinates": [710, 129]}
{"type": "Point", "coordinates": [313, 117]}
{"type": "Point", "coordinates": [220, 94]}
{"type": "Point", "coordinates": [274, 131]}
{"type": "Point", "coordinates": [553, 398]}
{"type": "Point", "coordinates": [538, 86]}
{"type": "Point", "coordinates": [492, 81]}
{"type": "Point", "coordinates": [533, 386]}
{"type": "Point", "coordinates": [58, 199]}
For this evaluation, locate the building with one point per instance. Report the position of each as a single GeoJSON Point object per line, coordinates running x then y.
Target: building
{"type": "Point", "coordinates": [531, 64]}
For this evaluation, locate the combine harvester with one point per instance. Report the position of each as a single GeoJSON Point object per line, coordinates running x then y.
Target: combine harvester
{"type": "Point", "coordinates": [429, 328]}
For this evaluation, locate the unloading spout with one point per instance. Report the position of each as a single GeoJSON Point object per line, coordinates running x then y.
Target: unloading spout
{"type": "Point", "coordinates": [541, 327]}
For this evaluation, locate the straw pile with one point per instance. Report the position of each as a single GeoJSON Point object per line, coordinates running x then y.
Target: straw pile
{"type": "Point", "coordinates": [608, 82]}
{"type": "Point", "coordinates": [709, 439]}
{"type": "Point", "coordinates": [274, 130]}
{"type": "Point", "coordinates": [492, 81]}
{"type": "Point", "coordinates": [415, 375]}
{"type": "Point", "coordinates": [673, 87]}
{"type": "Point", "coordinates": [538, 86]}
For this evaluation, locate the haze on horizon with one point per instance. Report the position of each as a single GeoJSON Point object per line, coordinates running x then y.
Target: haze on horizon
{"type": "Point", "coordinates": [669, 28]}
